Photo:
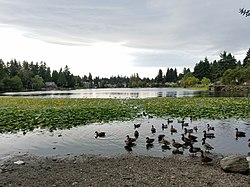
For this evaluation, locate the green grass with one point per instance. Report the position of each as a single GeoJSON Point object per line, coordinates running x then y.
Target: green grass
{"type": "Point", "coordinates": [29, 113]}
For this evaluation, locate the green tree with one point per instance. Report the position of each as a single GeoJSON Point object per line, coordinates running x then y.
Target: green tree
{"type": "Point", "coordinates": [205, 81]}
{"type": "Point", "coordinates": [202, 69]}
{"type": "Point", "coordinates": [61, 81]}
{"type": "Point", "coordinates": [159, 77]}
{"type": "Point", "coordinates": [37, 82]}
{"type": "Point", "coordinates": [246, 61]}
{"type": "Point", "coordinates": [16, 83]}
{"type": "Point", "coordinates": [135, 81]}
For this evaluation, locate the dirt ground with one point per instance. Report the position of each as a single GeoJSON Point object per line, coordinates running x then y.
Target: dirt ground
{"type": "Point", "coordinates": [129, 170]}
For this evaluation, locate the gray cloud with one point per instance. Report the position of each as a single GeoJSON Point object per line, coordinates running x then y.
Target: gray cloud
{"type": "Point", "coordinates": [188, 26]}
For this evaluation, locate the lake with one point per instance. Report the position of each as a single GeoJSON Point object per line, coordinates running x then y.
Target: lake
{"type": "Point", "coordinates": [81, 139]}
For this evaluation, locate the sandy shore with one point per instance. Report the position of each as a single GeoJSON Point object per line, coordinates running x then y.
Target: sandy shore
{"type": "Point", "coordinates": [126, 170]}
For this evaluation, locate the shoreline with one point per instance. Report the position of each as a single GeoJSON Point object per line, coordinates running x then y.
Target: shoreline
{"type": "Point", "coordinates": [125, 170]}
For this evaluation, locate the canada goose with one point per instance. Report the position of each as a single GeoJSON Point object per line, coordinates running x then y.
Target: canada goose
{"type": "Point", "coordinates": [136, 134]}
{"type": "Point", "coordinates": [170, 121]}
{"type": "Point", "coordinates": [160, 137]}
{"type": "Point", "coordinates": [153, 129]}
{"type": "Point", "coordinates": [208, 135]}
{"type": "Point", "coordinates": [185, 139]}
{"type": "Point", "coordinates": [209, 127]}
{"type": "Point", "coordinates": [249, 143]}
{"type": "Point", "coordinates": [188, 130]}
{"type": "Point", "coordinates": [240, 133]}
{"type": "Point", "coordinates": [137, 125]}
{"type": "Point", "coordinates": [130, 141]}
{"type": "Point", "coordinates": [164, 126]}
{"type": "Point", "coordinates": [172, 129]}
{"type": "Point", "coordinates": [205, 159]}
{"type": "Point", "coordinates": [195, 129]}
{"type": "Point", "coordinates": [193, 150]}
{"type": "Point", "coordinates": [192, 137]}
{"type": "Point", "coordinates": [100, 134]}
{"type": "Point", "coordinates": [207, 147]}
{"type": "Point", "coordinates": [176, 144]}
{"type": "Point", "coordinates": [164, 141]}
{"type": "Point", "coordinates": [149, 140]}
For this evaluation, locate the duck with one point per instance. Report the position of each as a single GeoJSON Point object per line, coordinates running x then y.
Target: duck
{"type": "Point", "coordinates": [136, 126]}
{"type": "Point", "coordinates": [130, 139]}
{"type": "Point", "coordinates": [136, 134]}
{"type": "Point", "coordinates": [183, 124]}
{"type": "Point", "coordinates": [208, 135]}
{"type": "Point", "coordinates": [160, 137]}
{"type": "Point", "coordinates": [205, 159]}
{"type": "Point", "coordinates": [153, 129]}
{"type": "Point", "coordinates": [193, 150]}
{"type": "Point", "coordinates": [180, 120]}
{"type": "Point", "coordinates": [207, 147]}
{"type": "Point", "coordinates": [240, 133]}
{"type": "Point", "coordinates": [209, 127]}
{"type": "Point", "coordinates": [164, 126]}
{"type": "Point", "coordinates": [177, 145]}
{"type": "Point", "coordinates": [188, 130]}
{"type": "Point", "coordinates": [149, 140]}
{"type": "Point", "coordinates": [172, 129]}
{"type": "Point", "coordinates": [100, 134]}
{"type": "Point", "coordinates": [249, 143]}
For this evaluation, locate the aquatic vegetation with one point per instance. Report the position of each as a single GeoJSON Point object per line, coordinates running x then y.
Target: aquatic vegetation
{"type": "Point", "coordinates": [54, 113]}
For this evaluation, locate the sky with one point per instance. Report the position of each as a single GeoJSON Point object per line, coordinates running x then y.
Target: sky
{"type": "Point", "coordinates": [122, 37]}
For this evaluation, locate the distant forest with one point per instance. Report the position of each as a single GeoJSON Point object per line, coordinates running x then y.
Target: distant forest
{"type": "Point", "coordinates": [25, 76]}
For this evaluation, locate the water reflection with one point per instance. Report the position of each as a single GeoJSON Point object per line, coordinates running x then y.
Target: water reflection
{"type": "Point", "coordinates": [81, 140]}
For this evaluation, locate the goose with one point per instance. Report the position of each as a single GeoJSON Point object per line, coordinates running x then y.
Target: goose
{"type": "Point", "coordinates": [207, 147]}
{"type": "Point", "coordinates": [193, 150]}
{"type": "Point", "coordinates": [208, 135]}
{"type": "Point", "coordinates": [137, 125]}
{"type": "Point", "coordinates": [249, 143]}
{"type": "Point", "coordinates": [183, 124]}
{"type": "Point", "coordinates": [188, 130]}
{"type": "Point", "coordinates": [192, 137]}
{"type": "Point", "coordinates": [172, 129]}
{"type": "Point", "coordinates": [240, 133]}
{"type": "Point", "coordinates": [177, 145]}
{"type": "Point", "coordinates": [186, 140]}
{"type": "Point", "coordinates": [100, 134]}
{"type": "Point", "coordinates": [164, 126]}
{"type": "Point", "coordinates": [136, 134]}
{"type": "Point", "coordinates": [149, 140]}
{"type": "Point", "coordinates": [209, 127]}
{"type": "Point", "coordinates": [153, 129]}
{"type": "Point", "coordinates": [130, 139]}
{"type": "Point", "coordinates": [170, 121]}
{"type": "Point", "coordinates": [160, 137]}
{"type": "Point", "coordinates": [195, 129]}
{"type": "Point", "coordinates": [205, 159]}
{"type": "Point", "coordinates": [164, 141]}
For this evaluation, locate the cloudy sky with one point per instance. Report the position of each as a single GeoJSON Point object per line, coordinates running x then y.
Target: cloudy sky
{"type": "Point", "coordinates": [122, 37]}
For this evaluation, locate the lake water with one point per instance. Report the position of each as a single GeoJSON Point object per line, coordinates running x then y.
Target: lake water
{"type": "Point", "coordinates": [81, 140]}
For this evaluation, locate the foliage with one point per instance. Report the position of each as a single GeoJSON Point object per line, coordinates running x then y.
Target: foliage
{"type": "Point", "coordinates": [30, 113]}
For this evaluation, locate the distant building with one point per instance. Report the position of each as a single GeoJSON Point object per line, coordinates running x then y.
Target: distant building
{"type": "Point", "coordinates": [50, 85]}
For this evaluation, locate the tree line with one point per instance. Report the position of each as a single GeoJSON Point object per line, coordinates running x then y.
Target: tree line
{"type": "Point", "coordinates": [25, 76]}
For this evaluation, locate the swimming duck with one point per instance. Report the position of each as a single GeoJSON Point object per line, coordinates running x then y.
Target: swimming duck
{"type": "Point", "coordinates": [130, 139]}
{"type": "Point", "coordinates": [153, 129]}
{"type": "Point", "coordinates": [183, 124]}
{"type": "Point", "coordinates": [100, 134]}
{"type": "Point", "coordinates": [175, 144]}
{"type": "Point", "coordinates": [193, 150]}
{"type": "Point", "coordinates": [149, 140]}
{"type": "Point", "coordinates": [205, 159]}
{"type": "Point", "coordinates": [209, 127]}
{"type": "Point", "coordinates": [172, 129]}
{"type": "Point", "coordinates": [137, 125]}
{"type": "Point", "coordinates": [180, 120]}
{"type": "Point", "coordinates": [208, 135]}
{"type": "Point", "coordinates": [207, 147]}
{"type": "Point", "coordinates": [136, 134]}
{"type": "Point", "coordinates": [240, 133]}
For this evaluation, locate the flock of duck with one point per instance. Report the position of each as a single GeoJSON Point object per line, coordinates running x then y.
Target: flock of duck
{"type": "Point", "coordinates": [187, 139]}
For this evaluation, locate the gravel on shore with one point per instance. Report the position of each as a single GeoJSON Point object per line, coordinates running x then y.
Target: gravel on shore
{"type": "Point", "coordinates": [129, 170]}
